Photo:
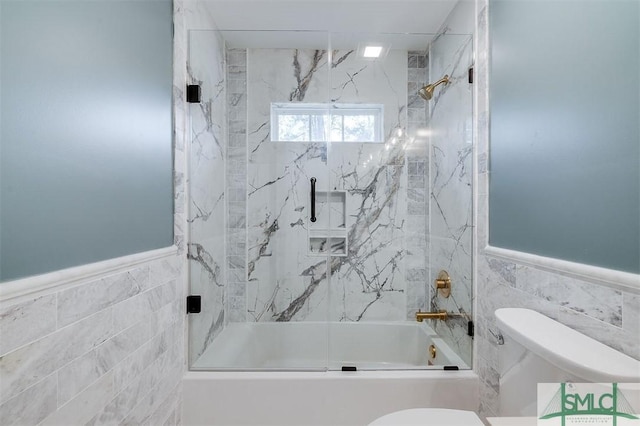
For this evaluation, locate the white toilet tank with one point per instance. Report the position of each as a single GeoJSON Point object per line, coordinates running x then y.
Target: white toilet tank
{"type": "Point", "coordinates": [538, 349]}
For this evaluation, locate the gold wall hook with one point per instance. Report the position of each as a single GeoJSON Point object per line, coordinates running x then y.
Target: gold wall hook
{"type": "Point", "coordinates": [443, 284]}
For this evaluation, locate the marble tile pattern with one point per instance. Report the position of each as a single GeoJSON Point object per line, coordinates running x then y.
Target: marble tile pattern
{"type": "Point", "coordinates": [450, 185]}
{"type": "Point", "coordinates": [63, 365]}
{"type": "Point", "coordinates": [417, 162]}
{"type": "Point", "coordinates": [207, 195]}
{"type": "Point", "coordinates": [108, 349]}
{"type": "Point", "coordinates": [236, 229]}
{"type": "Point", "coordinates": [608, 315]}
{"type": "Point", "coordinates": [285, 282]}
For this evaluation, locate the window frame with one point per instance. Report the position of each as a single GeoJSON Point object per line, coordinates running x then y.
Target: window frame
{"type": "Point", "coordinates": [327, 111]}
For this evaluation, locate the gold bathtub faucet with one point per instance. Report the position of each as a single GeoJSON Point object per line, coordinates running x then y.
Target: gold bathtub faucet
{"type": "Point", "coordinates": [440, 315]}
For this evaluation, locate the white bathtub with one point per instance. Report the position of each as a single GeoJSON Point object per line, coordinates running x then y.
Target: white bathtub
{"type": "Point", "coordinates": [316, 346]}
{"type": "Point", "coordinates": [323, 397]}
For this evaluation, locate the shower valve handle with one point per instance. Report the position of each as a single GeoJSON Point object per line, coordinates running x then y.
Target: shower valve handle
{"type": "Point", "coordinates": [313, 199]}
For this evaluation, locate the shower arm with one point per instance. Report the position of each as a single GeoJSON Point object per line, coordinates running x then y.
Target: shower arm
{"type": "Point", "coordinates": [444, 79]}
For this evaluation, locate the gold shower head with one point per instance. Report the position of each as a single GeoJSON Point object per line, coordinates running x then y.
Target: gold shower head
{"type": "Point", "coordinates": [426, 92]}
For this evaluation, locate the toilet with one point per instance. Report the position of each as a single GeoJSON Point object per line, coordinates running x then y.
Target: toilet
{"type": "Point", "coordinates": [533, 348]}
{"type": "Point", "coordinates": [429, 417]}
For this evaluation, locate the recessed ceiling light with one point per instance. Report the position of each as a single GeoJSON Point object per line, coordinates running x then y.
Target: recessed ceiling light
{"type": "Point", "coordinates": [372, 51]}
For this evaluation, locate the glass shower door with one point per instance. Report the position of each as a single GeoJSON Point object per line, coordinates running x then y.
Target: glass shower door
{"type": "Point", "coordinates": [325, 197]}
{"type": "Point", "coordinates": [450, 189]}
{"type": "Point", "coordinates": [395, 189]}
{"type": "Point", "coordinates": [206, 171]}
{"type": "Point", "coordinates": [286, 195]}
{"type": "Point", "coordinates": [267, 307]}
{"type": "Point", "coordinates": [380, 282]}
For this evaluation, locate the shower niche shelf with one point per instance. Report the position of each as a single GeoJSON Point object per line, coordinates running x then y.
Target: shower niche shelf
{"type": "Point", "coordinates": [328, 235]}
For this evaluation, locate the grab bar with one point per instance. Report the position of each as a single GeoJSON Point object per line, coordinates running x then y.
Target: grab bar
{"type": "Point", "coordinates": [313, 199]}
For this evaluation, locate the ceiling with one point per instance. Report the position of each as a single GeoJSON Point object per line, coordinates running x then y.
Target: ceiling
{"type": "Point", "coordinates": [400, 24]}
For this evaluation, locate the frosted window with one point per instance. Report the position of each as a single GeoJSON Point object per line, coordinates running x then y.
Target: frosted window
{"type": "Point", "coordinates": [306, 122]}
{"type": "Point", "coordinates": [565, 102]}
{"type": "Point", "coordinates": [86, 128]}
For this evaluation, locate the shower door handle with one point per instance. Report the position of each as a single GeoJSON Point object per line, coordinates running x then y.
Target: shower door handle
{"type": "Point", "coordinates": [313, 199]}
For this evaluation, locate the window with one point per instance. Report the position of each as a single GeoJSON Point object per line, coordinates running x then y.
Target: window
{"type": "Point", "coordinates": [307, 122]}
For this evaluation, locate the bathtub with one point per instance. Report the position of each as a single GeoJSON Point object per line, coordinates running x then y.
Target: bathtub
{"type": "Point", "coordinates": [318, 345]}
{"type": "Point", "coordinates": [395, 371]}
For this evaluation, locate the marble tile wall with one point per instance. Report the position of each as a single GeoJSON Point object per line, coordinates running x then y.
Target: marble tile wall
{"type": "Point", "coordinates": [608, 315]}
{"type": "Point", "coordinates": [103, 351]}
{"type": "Point", "coordinates": [286, 282]}
{"type": "Point", "coordinates": [237, 185]}
{"type": "Point", "coordinates": [108, 349]}
{"type": "Point", "coordinates": [371, 283]}
{"type": "Point", "coordinates": [417, 226]}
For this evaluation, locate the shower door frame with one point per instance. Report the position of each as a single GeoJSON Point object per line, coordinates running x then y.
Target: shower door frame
{"type": "Point", "coordinates": [396, 163]}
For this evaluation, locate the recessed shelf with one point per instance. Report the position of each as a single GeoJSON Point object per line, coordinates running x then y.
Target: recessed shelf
{"type": "Point", "coordinates": [328, 234]}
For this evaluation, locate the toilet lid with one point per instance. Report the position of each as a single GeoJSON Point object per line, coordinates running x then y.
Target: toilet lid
{"type": "Point", "coordinates": [428, 417]}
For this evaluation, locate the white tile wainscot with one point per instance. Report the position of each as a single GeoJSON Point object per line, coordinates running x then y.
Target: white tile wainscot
{"type": "Point", "coordinates": [103, 346]}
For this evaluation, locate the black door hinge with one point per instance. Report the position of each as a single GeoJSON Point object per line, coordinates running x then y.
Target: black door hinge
{"type": "Point", "coordinates": [194, 304]}
{"type": "Point", "coordinates": [471, 75]}
{"type": "Point", "coordinates": [193, 94]}
{"type": "Point", "coordinates": [470, 328]}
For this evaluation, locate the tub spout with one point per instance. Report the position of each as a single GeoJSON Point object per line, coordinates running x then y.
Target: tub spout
{"type": "Point", "coordinates": [441, 315]}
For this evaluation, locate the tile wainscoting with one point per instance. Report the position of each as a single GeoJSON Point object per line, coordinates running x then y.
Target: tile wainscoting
{"type": "Point", "coordinates": [104, 351]}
